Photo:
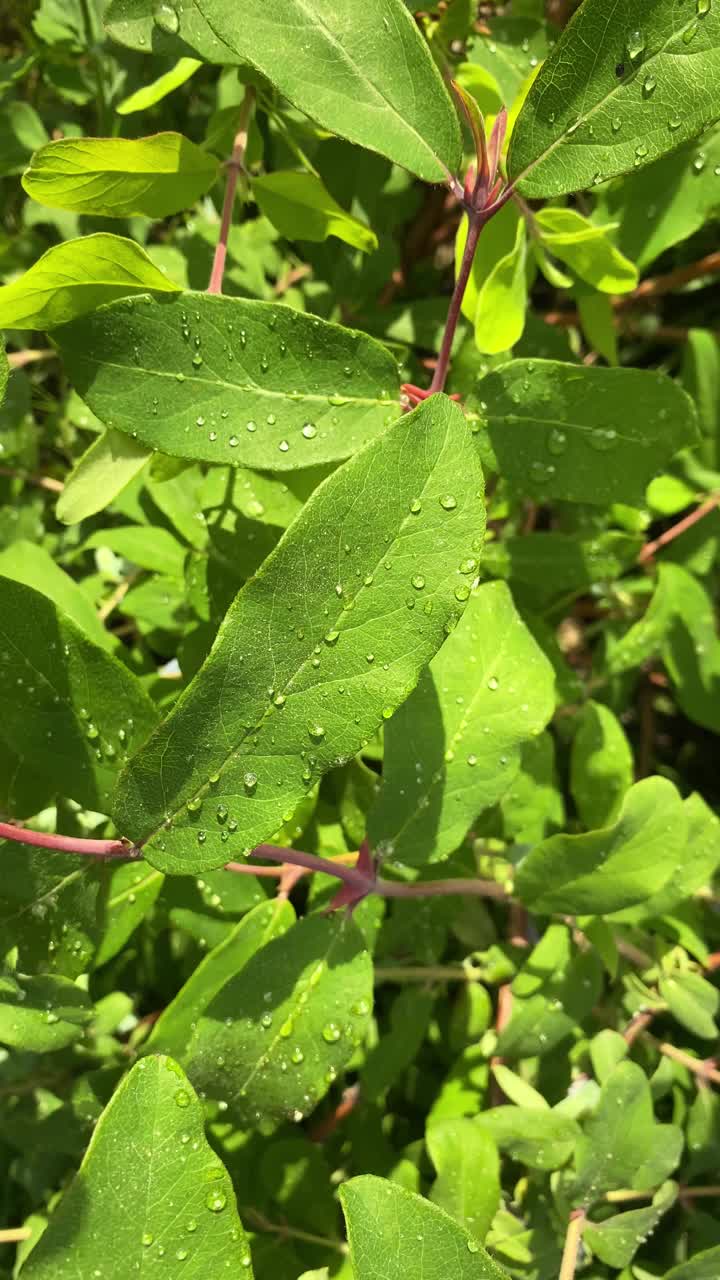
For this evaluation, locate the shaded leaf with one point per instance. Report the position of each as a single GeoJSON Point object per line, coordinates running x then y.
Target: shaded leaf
{"type": "Point", "coordinates": [601, 765]}
{"type": "Point", "coordinates": [617, 1240]}
{"type": "Point", "coordinates": [693, 1002]}
{"type": "Point", "coordinates": [103, 471]}
{"type": "Point", "coordinates": [539, 1139]}
{"type": "Point", "coordinates": [466, 1162]}
{"type": "Point", "coordinates": [301, 208]}
{"type": "Point", "coordinates": [48, 909]}
{"type": "Point", "coordinates": [41, 1013]}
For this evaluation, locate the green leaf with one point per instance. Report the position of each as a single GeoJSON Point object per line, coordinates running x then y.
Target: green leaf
{"type": "Point", "coordinates": [552, 564]}
{"type": "Point", "coordinates": [645, 638]}
{"type": "Point", "coordinates": [605, 871]}
{"type": "Point", "coordinates": [151, 94]}
{"type": "Point", "coordinates": [34, 567]}
{"type": "Point", "coordinates": [691, 650]}
{"type": "Point", "coordinates": [74, 278]}
{"type": "Point", "coordinates": [701, 379]}
{"type": "Point", "coordinates": [301, 208]}
{"type": "Point", "coordinates": [601, 765]}
{"type": "Point", "coordinates": [348, 651]}
{"type": "Point", "coordinates": [703, 1266]}
{"type": "Point", "coordinates": [559, 431]}
{"type": "Point", "coordinates": [587, 249]}
{"type": "Point", "coordinates": [621, 88]}
{"type": "Point", "coordinates": [622, 1145]}
{"type": "Point", "coordinates": [172, 1032]}
{"type": "Point", "coordinates": [496, 301]}
{"type": "Point", "coordinates": [552, 994]}
{"type": "Point", "coordinates": [693, 1002]}
{"type": "Point", "coordinates": [273, 1040]}
{"type": "Point", "coordinates": [48, 909]}
{"type": "Point", "coordinates": [509, 49]}
{"type": "Point", "coordinates": [385, 1224]}
{"type": "Point", "coordinates": [149, 548]}
{"type": "Point", "coordinates": [131, 890]}
{"type": "Point", "coordinates": [232, 381]}
{"type": "Point", "coordinates": [617, 1240]}
{"type": "Point", "coordinates": [21, 132]}
{"type": "Point", "coordinates": [409, 117]}
{"type": "Point", "coordinates": [41, 1013]}
{"type": "Point", "coordinates": [665, 203]}
{"type": "Point", "coordinates": [149, 1188]}
{"type": "Point", "coordinates": [454, 748]}
{"type": "Point", "coordinates": [540, 1139]}
{"type": "Point", "coordinates": [518, 1090]}
{"type": "Point", "coordinates": [71, 707]}
{"type": "Point", "coordinates": [121, 177]}
{"type": "Point", "coordinates": [388, 1060]}
{"type": "Point", "coordinates": [466, 1162]}
{"type": "Point", "coordinates": [700, 860]}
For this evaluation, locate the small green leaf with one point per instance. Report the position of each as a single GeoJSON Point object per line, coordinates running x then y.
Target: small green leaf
{"type": "Point", "coordinates": [76, 277]}
{"type": "Point", "coordinates": [34, 567]}
{"type": "Point", "coordinates": [231, 381]}
{"type": "Point", "coordinates": [500, 307]}
{"type": "Point", "coordinates": [130, 891]}
{"type": "Point", "coordinates": [540, 1139]}
{"type": "Point", "coordinates": [552, 994]}
{"type": "Point", "coordinates": [703, 1266]}
{"type": "Point", "coordinates": [121, 177]}
{"type": "Point", "coordinates": [387, 1061]}
{"type": "Point", "coordinates": [151, 94]}
{"type": "Point", "coordinates": [301, 208]}
{"type": "Point", "coordinates": [277, 1035]}
{"type": "Point", "coordinates": [454, 748]}
{"type": "Point", "coordinates": [617, 1240]}
{"type": "Point", "coordinates": [613, 95]}
{"type": "Point", "coordinates": [601, 765]}
{"type": "Point", "coordinates": [172, 1032]}
{"type": "Point", "coordinates": [691, 650]}
{"type": "Point", "coordinates": [622, 1145]}
{"type": "Point", "coordinates": [608, 870]}
{"type": "Point", "coordinates": [695, 870]}
{"type": "Point", "coordinates": [69, 705]}
{"type": "Point", "coordinates": [149, 1143]}
{"type": "Point", "coordinates": [41, 1013]}
{"type": "Point", "coordinates": [559, 431]}
{"type": "Point", "coordinates": [386, 1225]}
{"type": "Point", "coordinates": [587, 249]}
{"type": "Point", "coordinates": [348, 650]}
{"type": "Point", "coordinates": [466, 1162]}
{"type": "Point", "coordinates": [409, 117]}
{"type": "Point", "coordinates": [693, 1002]}
{"type": "Point", "coordinates": [143, 545]}
{"type": "Point", "coordinates": [103, 471]}
{"type": "Point", "coordinates": [509, 48]}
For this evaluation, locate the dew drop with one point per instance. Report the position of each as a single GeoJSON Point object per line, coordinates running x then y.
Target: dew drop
{"type": "Point", "coordinates": [216, 1201]}
{"type": "Point", "coordinates": [166, 18]}
{"type": "Point", "coordinates": [557, 442]}
{"type": "Point", "coordinates": [635, 45]}
{"type": "Point", "coordinates": [331, 1033]}
{"type": "Point", "coordinates": [415, 506]}
{"type": "Point", "coordinates": [649, 86]}
{"type": "Point", "coordinates": [309, 431]}
{"type": "Point", "coordinates": [493, 683]}
{"type": "Point", "coordinates": [233, 442]}
{"type": "Point", "coordinates": [194, 805]}
{"type": "Point", "coordinates": [147, 1239]}
{"type": "Point", "coordinates": [316, 731]}
{"type": "Point", "coordinates": [182, 1098]}
{"type": "Point", "coordinates": [462, 592]}
{"type": "Point", "coordinates": [418, 582]}
{"type": "Point", "coordinates": [448, 502]}
{"type": "Point", "coordinates": [250, 782]}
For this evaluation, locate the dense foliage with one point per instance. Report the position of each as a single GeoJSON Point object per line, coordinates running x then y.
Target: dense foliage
{"type": "Point", "coordinates": [360, 475]}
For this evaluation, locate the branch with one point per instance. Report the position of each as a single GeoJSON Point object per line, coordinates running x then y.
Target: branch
{"type": "Point", "coordinates": [14, 1235]}
{"type": "Point", "coordinates": [573, 1237]}
{"type": "Point", "coordinates": [650, 548]}
{"type": "Point", "coordinates": [704, 1068]}
{"type": "Point", "coordinates": [71, 844]}
{"type": "Point", "coordinates": [234, 167]}
{"type": "Point", "coordinates": [43, 482]}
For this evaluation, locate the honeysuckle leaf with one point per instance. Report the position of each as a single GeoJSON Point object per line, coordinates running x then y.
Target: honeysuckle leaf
{"type": "Point", "coordinates": [68, 704]}
{"type": "Point", "coordinates": [150, 94]}
{"type": "Point", "coordinates": [601, 765]}
{"type": "Point", "coordinates": [453, 749]}
{"type": "Point", "coordinates": [691, 648]}
{"type": "Point", "coordinates": [76, 277]}
{"type": "Point", "coordinates": [34, 567]}
{"type": "Point", "coordinates": [232, 381]}
{"type": "Point", "coordinates": [509, 48]}
{"type": "Point", "coordinates": [622, 1145]}
{"type": "Point", "coordinates": [551, 996]}
{"type": "Point", "coordinates": [151, 1184]}
{"type": "Point", "coordinates": [540, 1139]}
{"type": "Point", "coordinates": [386, 1224]}
{"type": "Point", "coordinates": [129, 893]}
{"type": "Point", "coordinates": [121, 177]}
{"type": "Point", "coordinates": [41, 1013]}
{"type": "Point", "coordinates": [587, 249]}
{"type": "Point", "coordinates": [616, 1240]}
{"type": "Point", "coordinates": [173, 1031]}
{"type": "Point", "coordinates": [48, 909]}
{"type": "Point", "coordinates": [621, 88]}
{"type": "Point", "coordinates": [276, 1036]}
{"type": "Point", "coordinates": [466, 1162]}
{"type": "Point", "coordinates": [614, 868]}
{"type": "Point", "coordinates": [560, 431]}
{"type": "Point", "coordinates": [696, 868]}
{"type": "Point", "coordinates": [277, 703]}
{"type": "Point", "coordinates": [703, 1266]}
{"type": "Point", "coordinates": [103, 471]}
{"type": "Point", "coordinates": [693, 1002]}
{"type": "Point", "coordinates": [301, 208]}
{"type": "Point", "coordinates": [408, 117]}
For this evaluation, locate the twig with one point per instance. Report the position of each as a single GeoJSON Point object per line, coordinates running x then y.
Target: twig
{"type": "Point", "coordinates": [704, 1068]}
{"type": "Point", "coordinates": [234, 167]}
{"type": "Point", "coordinates": [651, 548]}
{"type": "Point", "coordinates": [659, 285]}
{"type": "Point", "coordinates": [71, 844]}
{"type": "Point", "coordinates": [426, 973]}
{"type": "Point", "coordinates": [261, 1223]}
{"type": "Point", "coordinates": [42, 482]}
{"type": "Point", "coordinates": [684, 1193]}
{"type": "Point", "coordinates": [573, 1237]}
{"type": "Point", "coordinates": [18, 359]}
{"type": "Point", "coordinates": [108, 606]}
{"type": "Point", "coordinates": [326, 1128]}
{"type": "Point", "coordinates": [476, 222]}
{"type": "Point", "coordinates": [636, 1026]}
{"type": "Point", "coordinates": [13, 1235]}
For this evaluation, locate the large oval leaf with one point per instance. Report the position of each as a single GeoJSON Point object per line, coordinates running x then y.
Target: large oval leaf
{"type": "Point", "coordinates": [318, 648]}
{"type": "Point", "coordinates": [625, 83]}
{"type": "Point", "coordinates": [231, 381]}
{"type": "Point", "coordinates": [361, 70]}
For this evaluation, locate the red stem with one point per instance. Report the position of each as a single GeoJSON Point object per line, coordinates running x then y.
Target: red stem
{"type": "Point", "coordinates": [234, 166]}
{"type": "Point", "coordinates": [476, 222]}
{"type": "Point", "coordinates": [70, 844]}
{"type": "Point", "coordinates": [682, 526]}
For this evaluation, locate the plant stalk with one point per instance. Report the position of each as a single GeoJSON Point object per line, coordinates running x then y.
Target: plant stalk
{"type": "Point", "coordinates": [71, 844]}
{"type": "Point", "coordinates": [235, 166]}
{"type": "Point", "coordinates": [476, 222]}
{"type": "Point", "coordinates": [573, 1237]}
